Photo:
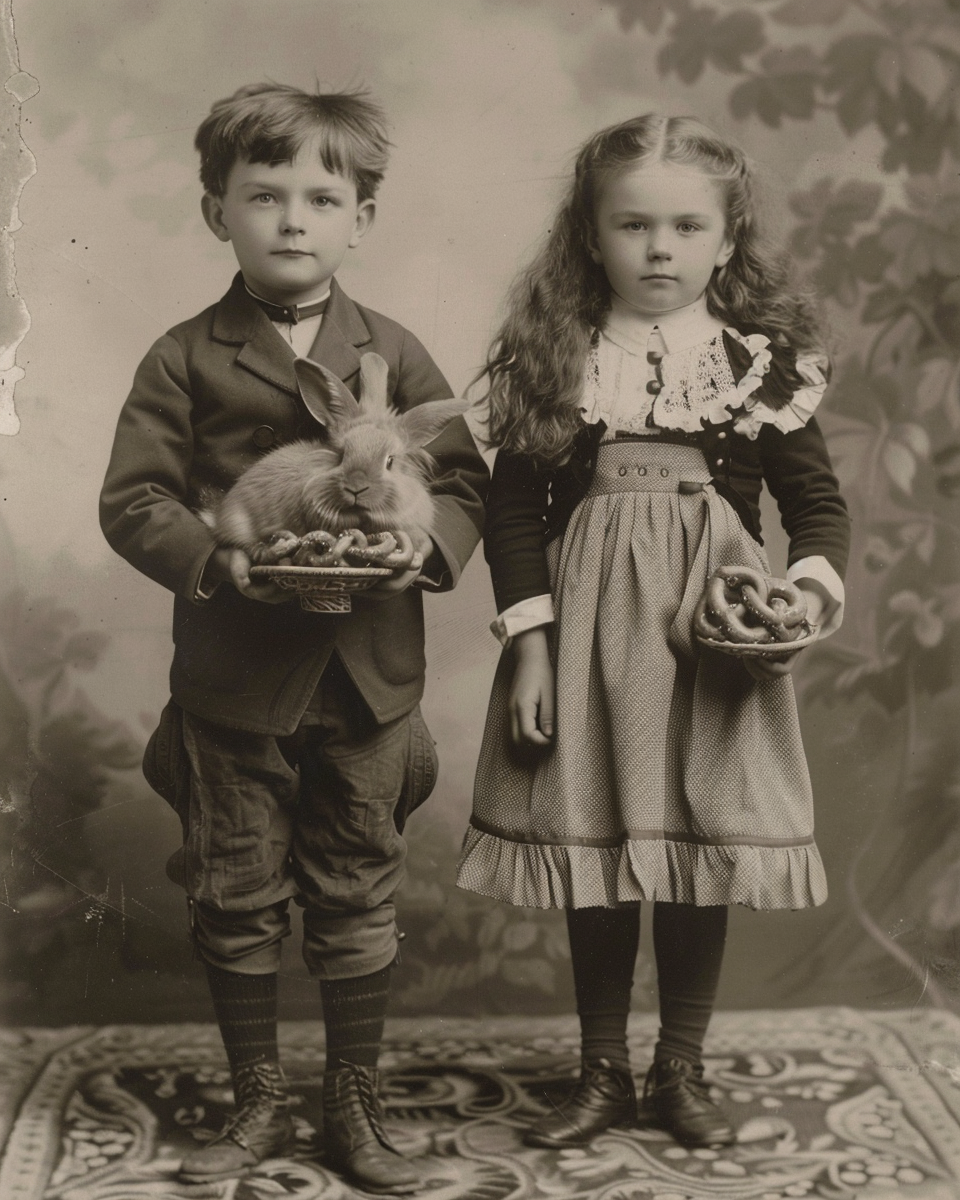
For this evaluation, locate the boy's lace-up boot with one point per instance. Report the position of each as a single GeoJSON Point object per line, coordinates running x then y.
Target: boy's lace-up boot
{"type": "Point", "coordinates": [260, 1129]}
{"type": "Point", "coordinates": [604, 1096]}
{"type": "Point", "coordinates": [354, 1140]}
{"type": "Point", "coordinates": [676, 1096]}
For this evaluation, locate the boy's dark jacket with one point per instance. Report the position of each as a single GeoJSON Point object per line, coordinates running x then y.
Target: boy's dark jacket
{"type": "Point", "coordinates": [210, 397]}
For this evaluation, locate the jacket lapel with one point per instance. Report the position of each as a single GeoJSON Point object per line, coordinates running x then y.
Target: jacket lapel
{"type": "Point", "coordinates": [239, 321]}
{"type": "Point", "coordinates": [342, 330]}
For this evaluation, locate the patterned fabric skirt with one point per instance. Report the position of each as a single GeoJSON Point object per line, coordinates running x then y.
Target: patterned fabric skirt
{"type": "Point", "coordinates": [673, 774]}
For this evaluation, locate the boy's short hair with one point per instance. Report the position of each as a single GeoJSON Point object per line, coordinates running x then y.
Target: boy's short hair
{"type": "Point", "coordinates": [269, 122]}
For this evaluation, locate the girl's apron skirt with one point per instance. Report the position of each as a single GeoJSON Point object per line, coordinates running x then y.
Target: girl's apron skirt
{"type": "Point", "coordinates": [673, 774]}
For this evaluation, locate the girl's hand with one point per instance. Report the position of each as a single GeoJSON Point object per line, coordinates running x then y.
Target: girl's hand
{"type": "Point", "coordinates": [533, 691]}
{"type": "Point", "coordinates": [773, 668]}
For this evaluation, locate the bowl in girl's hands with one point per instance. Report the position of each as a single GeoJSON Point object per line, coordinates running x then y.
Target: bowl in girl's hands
{"type": "Point", "coordinates": [746, 613]}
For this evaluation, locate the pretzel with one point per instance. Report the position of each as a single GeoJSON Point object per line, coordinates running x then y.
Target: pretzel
{"type": "Point", "coordinates": [729, 616]}
{"type": "Point", "coordinates": [323, 549]}
{"type": "Point", "coordinates": [404, 557]}
{"type": "Point", "coordinates": [742, 606]}
{"type": "Point", "coordinates": [316, 550]}
{"type": "Point", "coordinates": [393, 550]}
{"type": "Point", "coordinates": [344, 542]}
{"type": "Point", "coordinates": [375, 548]}
{"type": "Point", "coordinates": [279, 546]}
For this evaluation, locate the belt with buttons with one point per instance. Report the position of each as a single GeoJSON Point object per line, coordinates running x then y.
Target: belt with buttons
{"type": "Point", "coordinates": [632, 466]}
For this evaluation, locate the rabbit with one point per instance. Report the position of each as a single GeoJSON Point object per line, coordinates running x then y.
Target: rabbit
{"type": "Point", "coordinates": [371, 473]}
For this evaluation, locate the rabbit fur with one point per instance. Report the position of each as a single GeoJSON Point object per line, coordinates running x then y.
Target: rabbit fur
{"type": "Point", "coordinates": [371, 472]}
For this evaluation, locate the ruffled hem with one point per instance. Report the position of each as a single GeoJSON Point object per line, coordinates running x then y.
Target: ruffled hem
{"type": "Point", "coordinates": [535, 876]}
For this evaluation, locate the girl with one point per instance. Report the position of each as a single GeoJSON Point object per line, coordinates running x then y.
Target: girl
{"type": "Point", "coordinates": [653, 368]}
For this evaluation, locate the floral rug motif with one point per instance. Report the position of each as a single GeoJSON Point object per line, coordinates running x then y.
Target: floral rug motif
{"type": "Point", "coordinates": [829, 1103]}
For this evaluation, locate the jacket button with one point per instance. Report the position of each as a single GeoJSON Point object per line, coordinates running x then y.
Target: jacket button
{"type": "Point", "coordinates": [622, 471]}
{"type": "Point", "coordinates": [719, 462]}
{"type": "Point", "coordinates": [721, 434]}
{"type": "Point", "coordinates": [264, 437]}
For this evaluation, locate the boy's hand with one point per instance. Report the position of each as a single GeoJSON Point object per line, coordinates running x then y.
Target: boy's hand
{"type": "Point", "coordinates": [533, 692]}
{"type": "Point", "coordinates": [399, 581]}
{"type": "Point", "coordinates": [238, 565]}
{"type": "Point", "coordinates": [773, 668]}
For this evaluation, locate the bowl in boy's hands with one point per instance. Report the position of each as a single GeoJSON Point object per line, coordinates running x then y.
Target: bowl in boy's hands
{"type": "Point", "coordinates": [325, 568]}
{"type": "Point", "coordinates": [746, 613]}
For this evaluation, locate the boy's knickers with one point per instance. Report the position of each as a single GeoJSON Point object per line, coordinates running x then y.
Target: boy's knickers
{"type": "Point", "coordinates": [316, 816]}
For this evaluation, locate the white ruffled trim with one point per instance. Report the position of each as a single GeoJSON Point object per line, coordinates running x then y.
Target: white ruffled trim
{"type": "Point", "coordinates": [759, 347]}
{"type": "Point", "coordinates": [536, 876]}
{"type": "Point", "coordinates": [800, 407]}
{"type": "Point", "coordinates": [599, 401]}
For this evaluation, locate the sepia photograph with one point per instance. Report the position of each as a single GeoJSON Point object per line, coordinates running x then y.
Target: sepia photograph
{"type": "Point", "coordinates": [480, 599]}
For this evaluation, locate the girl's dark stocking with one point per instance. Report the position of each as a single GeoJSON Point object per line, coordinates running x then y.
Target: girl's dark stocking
{"type": "Point", "coordinates": [603, 946]}
{"type": "Point", "coordinates": [246, 1008]}
{"type": "Point", "coordinates": [688, 941]}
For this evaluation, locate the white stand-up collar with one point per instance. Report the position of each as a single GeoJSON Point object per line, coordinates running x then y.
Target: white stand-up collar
{"type": "Point", "coordinates": [680, 329]}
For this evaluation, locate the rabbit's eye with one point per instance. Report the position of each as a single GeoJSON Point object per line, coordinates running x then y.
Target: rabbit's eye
{"type": "Point", "coordinates": [389, 463]}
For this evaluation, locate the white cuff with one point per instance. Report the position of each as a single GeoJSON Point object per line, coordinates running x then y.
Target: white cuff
{"type": "Point", "coordinates": [204, 591]}
{"type": "Point", "coordinates": [815, 572]}
{"type": "Point", "coordinates": [518, 618]}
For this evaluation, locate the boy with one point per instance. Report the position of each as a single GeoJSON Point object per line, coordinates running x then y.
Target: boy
{"type": "Point", "coordinates": [292, 748]}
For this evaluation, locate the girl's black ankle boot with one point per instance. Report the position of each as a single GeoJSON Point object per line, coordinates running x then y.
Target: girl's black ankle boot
{"type": "Point", "coordinates": [677, 1098]}
{"type": "Point", "coordinates": [604, 1096]}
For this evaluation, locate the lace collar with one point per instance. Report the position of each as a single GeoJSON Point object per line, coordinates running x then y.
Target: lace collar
{"type": "Point", "coordinates": [698, 386]}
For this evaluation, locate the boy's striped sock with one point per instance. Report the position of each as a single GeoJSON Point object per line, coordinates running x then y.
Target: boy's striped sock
{"type": "Point", "coordinates": [354, 1011]}
{"type": "Point", "coordinates": [246, 1008]}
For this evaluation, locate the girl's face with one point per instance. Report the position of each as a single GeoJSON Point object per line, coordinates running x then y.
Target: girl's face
{"type": "Point", "coordinates": [660, 235]}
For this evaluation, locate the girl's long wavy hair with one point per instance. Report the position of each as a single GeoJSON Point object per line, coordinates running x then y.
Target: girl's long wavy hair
{"type": "Point", "coordinates": [535, 366]}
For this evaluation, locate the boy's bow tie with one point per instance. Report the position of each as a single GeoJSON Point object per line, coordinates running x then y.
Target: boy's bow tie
{"type": "Point", "coordinates": [290, 314]}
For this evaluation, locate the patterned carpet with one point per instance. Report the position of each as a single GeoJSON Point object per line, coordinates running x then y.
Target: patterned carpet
{"type": "Point", "coordinates": [828, 1102]}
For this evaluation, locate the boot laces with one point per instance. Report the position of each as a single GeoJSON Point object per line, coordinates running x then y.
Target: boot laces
{"type": "Point", "coordinates": [602, 1077]}
{"type": "Point", "coordinates": [371, 1104]}
{"type": "Point", "coordinates": [261, 1080]}
{"type": "Point", "coordinates": [259, 1093]}
{"type": "Point", "coordinates": [685, 1077]}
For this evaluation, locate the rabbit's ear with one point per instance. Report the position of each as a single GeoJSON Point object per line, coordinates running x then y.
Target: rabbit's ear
{"type": "Point", "coordinates": [373, 382]}
{"type": "Point", "coordinates": [328, 398]}
{"type": "Point", "coordinates": [423, 422]}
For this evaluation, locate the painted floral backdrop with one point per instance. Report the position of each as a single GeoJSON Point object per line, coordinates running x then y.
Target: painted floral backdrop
{"type": "Point", "coordinates": [881, 244]}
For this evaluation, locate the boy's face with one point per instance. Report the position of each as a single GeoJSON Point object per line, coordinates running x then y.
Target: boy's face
{"type": "Point", "coordinates": [290, 224]}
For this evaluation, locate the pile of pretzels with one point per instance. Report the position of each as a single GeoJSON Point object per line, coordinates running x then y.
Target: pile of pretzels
{"type": "Point", "coordinates": [743, 607]}
{"type": "Point", "coordinates": [352, 548]}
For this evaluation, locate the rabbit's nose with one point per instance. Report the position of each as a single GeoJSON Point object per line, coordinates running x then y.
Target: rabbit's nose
{"type": "Point", "coordinates": [357, 492]}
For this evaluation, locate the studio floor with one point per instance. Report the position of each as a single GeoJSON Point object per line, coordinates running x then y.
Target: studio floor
{"type": "Point", "coordinates": [828, 1102]}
